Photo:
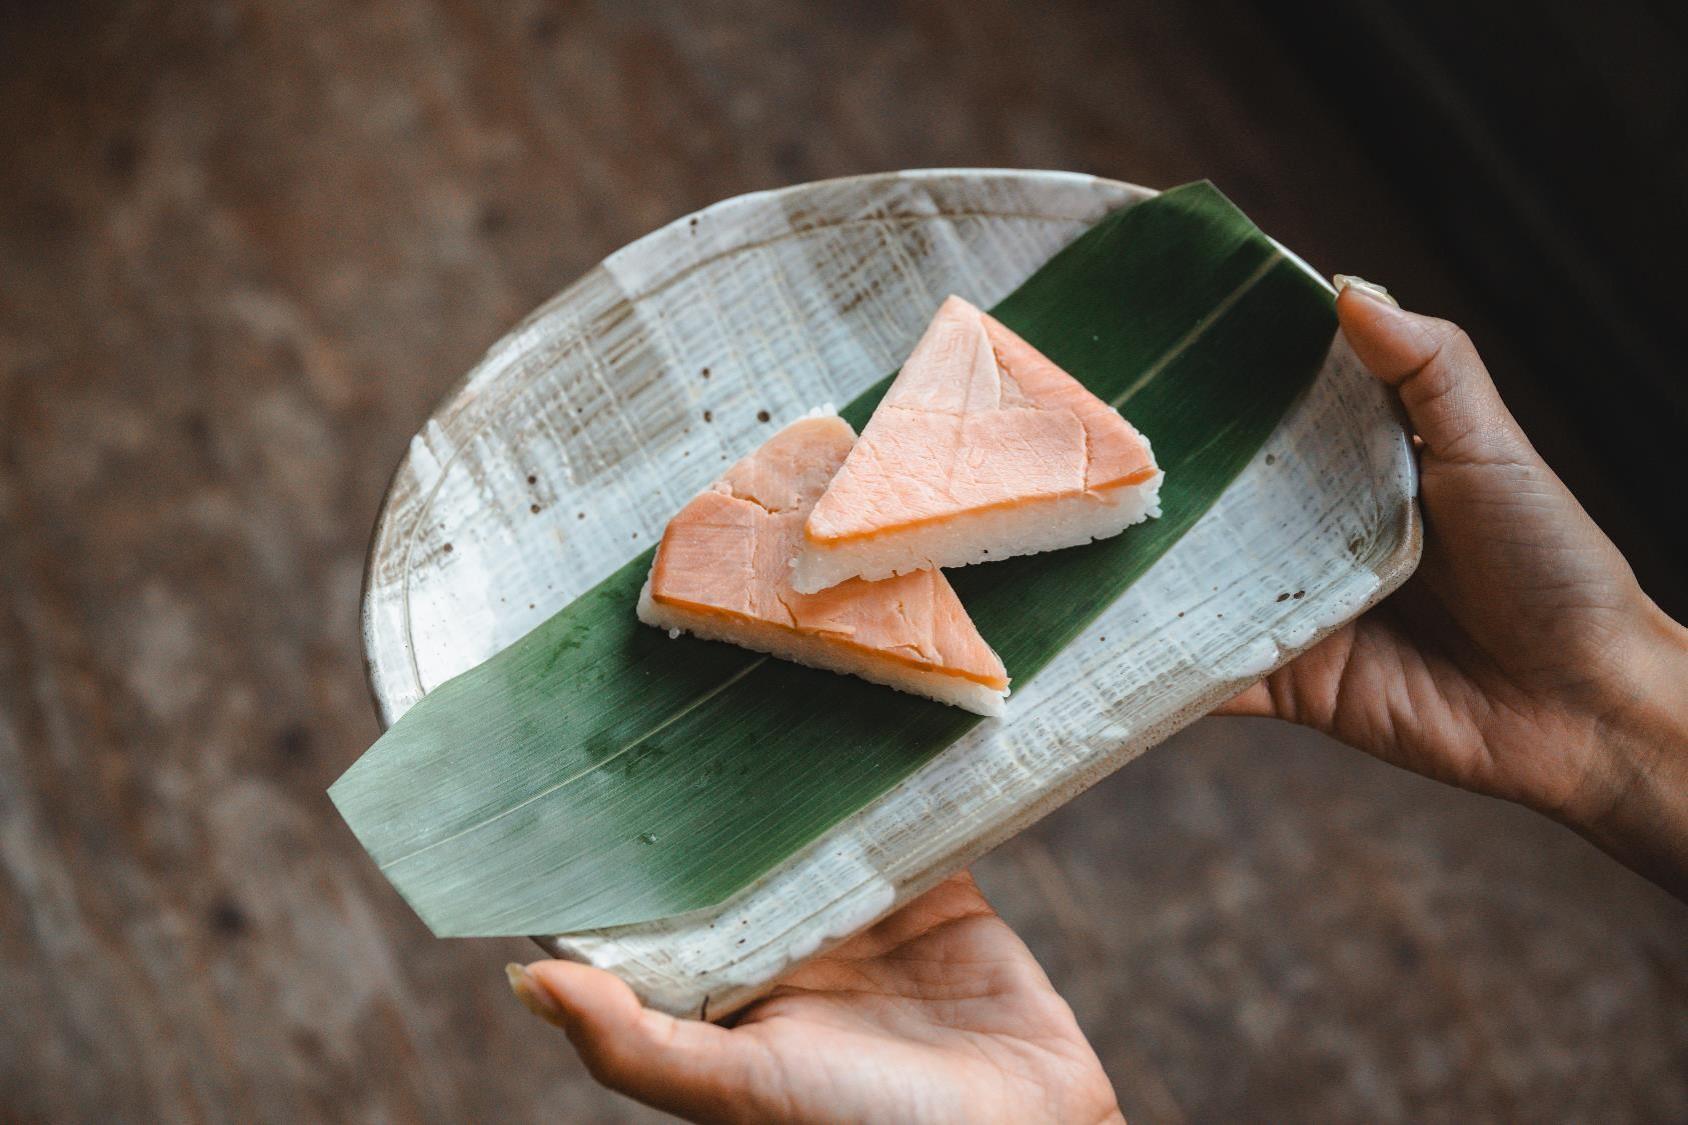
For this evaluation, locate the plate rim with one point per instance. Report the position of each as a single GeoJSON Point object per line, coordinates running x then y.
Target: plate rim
{"type": "Point", "coordinates": [1390, 569]}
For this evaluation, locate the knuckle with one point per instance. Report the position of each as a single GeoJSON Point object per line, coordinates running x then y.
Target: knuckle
{"type": "Point", "coordinates": [1444, 331]}
{"type": "Point", "coordinates": [1454, 346]}
{"type": "Point", "coordinates": [1452, 365]}
{"type": "Point", "coordinates": [607, 1064]}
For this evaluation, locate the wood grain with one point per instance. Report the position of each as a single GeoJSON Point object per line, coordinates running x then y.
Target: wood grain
{"type": "Point", "coordinates": [244, 248]}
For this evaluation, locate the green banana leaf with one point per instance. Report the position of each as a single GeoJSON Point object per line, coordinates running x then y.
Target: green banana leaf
{"type": "Point", "coordinates": [597, 772]}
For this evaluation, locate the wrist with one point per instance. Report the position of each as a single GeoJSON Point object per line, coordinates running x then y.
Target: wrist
{"type": "Point", "coordinates": [1639, 814]}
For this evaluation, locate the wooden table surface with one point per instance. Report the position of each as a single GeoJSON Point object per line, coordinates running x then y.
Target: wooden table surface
{"type": "Point", "coordinates": [244, 247]}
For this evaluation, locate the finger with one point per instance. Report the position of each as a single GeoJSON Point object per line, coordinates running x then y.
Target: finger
{"type": "Point", "coordinates": [1448, 395]}
{"type": "Point", "coordinates": [1253, 702]}
{"type": "Point", "coordinates": [683, 1066]}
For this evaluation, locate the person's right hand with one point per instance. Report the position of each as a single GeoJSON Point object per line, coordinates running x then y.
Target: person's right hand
{"type": "Point", "coordinates": [1522, 660]}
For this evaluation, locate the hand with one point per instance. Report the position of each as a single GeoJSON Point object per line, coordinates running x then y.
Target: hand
{"type": "Point", "coordinates": [938, 1013]}
{"type": "Point", "coordinates": [1522, 660]}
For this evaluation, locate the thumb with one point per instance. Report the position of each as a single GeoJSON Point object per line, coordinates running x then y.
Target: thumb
{"type": "Point", "coordinates": [686, 1067]}
{"type": "Point", "coordinates": [1449, 398]}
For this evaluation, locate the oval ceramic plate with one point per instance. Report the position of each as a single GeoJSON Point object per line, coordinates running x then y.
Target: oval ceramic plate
{"type": "Point", "coordinates": [566, 450]}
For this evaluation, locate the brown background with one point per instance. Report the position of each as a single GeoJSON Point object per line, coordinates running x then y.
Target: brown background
{"type": "Point", "coordinates": [243, 248]}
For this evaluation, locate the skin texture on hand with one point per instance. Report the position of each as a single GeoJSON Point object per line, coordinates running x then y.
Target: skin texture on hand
{"type": "Point", "coordinates": [1522, 660]}
{"type": "Point", "coordinates": [939, 1013]}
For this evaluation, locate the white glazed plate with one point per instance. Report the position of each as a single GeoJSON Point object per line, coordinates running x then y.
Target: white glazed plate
{"type": "Point", "coordinates": [567, 449]}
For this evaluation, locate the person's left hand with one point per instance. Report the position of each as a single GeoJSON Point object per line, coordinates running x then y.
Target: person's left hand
{"type": "Point", "coordinates": [938, 1013]}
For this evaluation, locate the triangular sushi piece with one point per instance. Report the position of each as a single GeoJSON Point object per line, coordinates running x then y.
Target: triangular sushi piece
{"type": "Point", "coordinates": [981, 449]}
{"type": "Point", "coordinates": [723, 572]}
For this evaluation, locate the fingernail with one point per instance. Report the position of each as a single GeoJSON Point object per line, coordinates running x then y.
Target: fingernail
{"type": "Point", "coordinates": [1369, 288]}
{"type": "Point", "coordinates": [534, 996]}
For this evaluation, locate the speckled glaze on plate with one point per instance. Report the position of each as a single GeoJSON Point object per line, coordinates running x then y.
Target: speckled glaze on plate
{"type": "Point", "coordinates": [566, 450]}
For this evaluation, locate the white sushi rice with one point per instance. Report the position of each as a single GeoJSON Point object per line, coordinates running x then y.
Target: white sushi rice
{"type": "Point", "coordinates": [983, 536]}
{"type": "Point", "coordinates": [817, 652]}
